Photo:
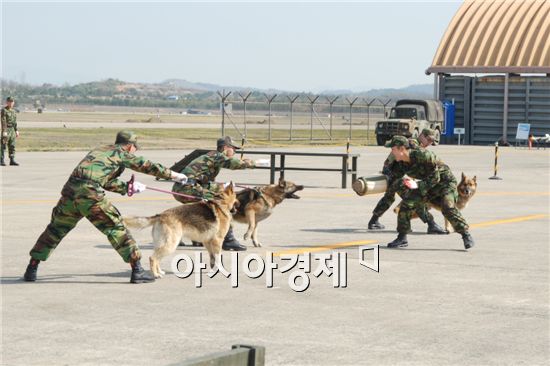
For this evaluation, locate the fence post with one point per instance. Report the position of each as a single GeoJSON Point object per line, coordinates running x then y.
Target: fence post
{"type": "Point", "coordinates": [331, 102]}
{"type": "Point", "coordinates": [312, 101]}
{"type": "Point", "coordinates": [244, 98]}
{"type": "Point", "coordinates": [351, 103]}
{"type": "Point", "coordinates": [223, 96]}
{"type": "Point", "coordinates": [291, 100]}
{"type": "Point", "coordinates": [385, 104]}
{"type": "Point", "coordinates": [269, 101]}
{"type": "Point", "coordinates": [368, 117]}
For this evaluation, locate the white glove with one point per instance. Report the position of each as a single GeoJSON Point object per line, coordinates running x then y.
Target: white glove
{"type": "Point", "coordinates": [262, 162]}
{"type": "Point", "coordinates": [138, 187]}
{"type": "Point", "coordinates": [179, 177]}
{"type": "Point", "coordinates": [409, 183]}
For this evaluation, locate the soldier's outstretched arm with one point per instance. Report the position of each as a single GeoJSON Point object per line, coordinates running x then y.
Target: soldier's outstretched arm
{"type": "Point", "coordinates": [236, 163]}
{"type": "Point", "coordinates": [117, 186]}
{"type": "Point", "coordinates": [142, 165]}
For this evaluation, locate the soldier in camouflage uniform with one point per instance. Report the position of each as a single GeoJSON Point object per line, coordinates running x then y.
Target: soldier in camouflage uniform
{"type": "Point", "coordinates": [437, 185]}
{"type": "Point", "coordinates": [202, 173]}
{"type": "Point", "coordinates": [395, 170]}
{"type": "Point", "coordinates": [9, 131]}
{"type": "Point", "coordinates": [83, 195]}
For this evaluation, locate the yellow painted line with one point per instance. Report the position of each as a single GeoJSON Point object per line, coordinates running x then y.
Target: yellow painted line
{"type": "Point", "coordinates": [509, 221]}
{"type": "Point", "coordinates": [334, 195]}
{"type": "Point", "coordinates": [324, 247]}
{"type": "Point", "coordinates": [328, 195]}
{"type": "Point", "coordinates": [53, 202]}
{"type": "Point", "coordinates": [366, 242]}
{"type": "Point", "coordinates": [513, 194]}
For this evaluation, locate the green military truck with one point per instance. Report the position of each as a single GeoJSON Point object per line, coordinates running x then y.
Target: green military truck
{"type": "Point", "coordinates": [409, 117]}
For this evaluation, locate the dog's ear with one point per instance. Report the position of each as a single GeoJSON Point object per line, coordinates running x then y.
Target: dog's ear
{"type": "Point", "coordinates": [463, 176]}
{"type": "Point", "coordinates": [282, 182]}
{"type": "Point", "coordinates": [228, 187]}
{"type": "Point", "coordinates": [474, 178]}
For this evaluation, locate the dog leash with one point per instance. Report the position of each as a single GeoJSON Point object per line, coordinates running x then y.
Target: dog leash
{"type": "Point", "coordinates": [131, 191]}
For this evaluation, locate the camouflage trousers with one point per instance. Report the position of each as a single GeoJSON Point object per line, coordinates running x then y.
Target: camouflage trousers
{"type": "Point", "coordinates": [443, 194]}
{"type": "Point", "coordinates": [101, 213]}
{"type": "Point", "coordinates": [397, 186]}
{"type": "Point", "coordinates": [9, 143]}
{"type": "Point", "coordinates": [207, 191]}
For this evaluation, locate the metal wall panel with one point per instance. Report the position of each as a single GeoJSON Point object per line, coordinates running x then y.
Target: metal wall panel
{"type": "Point", "coordinates": [481, 112]}
{"type": "Point", "coordinates": [457, 89]}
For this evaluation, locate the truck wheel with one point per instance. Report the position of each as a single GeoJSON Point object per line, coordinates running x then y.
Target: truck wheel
{"type": "Point", "coordinates": [415, 134]}
{"type": "Point", "coordinates": [437, 137]}
{"type": "Point", "coordinates": [381, 139]}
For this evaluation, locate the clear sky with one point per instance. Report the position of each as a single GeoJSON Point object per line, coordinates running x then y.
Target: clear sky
{"type": "Point", "coordinates": [307, 46]}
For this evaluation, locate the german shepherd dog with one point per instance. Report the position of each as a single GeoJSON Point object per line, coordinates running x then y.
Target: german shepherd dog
{"type": "Point", "coordinates": [257, 204]}
{"type": "Point", "coordinates": [466, 190]}
{"type": "Point", "coordinates": [205, 222]}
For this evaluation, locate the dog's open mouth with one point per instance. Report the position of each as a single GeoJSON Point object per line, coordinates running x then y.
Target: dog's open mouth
{"type": "Point", "coordinates": [293, 194]}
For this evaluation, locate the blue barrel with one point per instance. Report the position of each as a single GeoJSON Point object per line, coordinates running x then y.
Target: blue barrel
{"type": "Point", "coordinates": [449, 119]}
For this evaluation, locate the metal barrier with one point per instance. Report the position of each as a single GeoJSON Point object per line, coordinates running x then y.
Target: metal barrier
{"type": "Point", "coordinates": [344, 169]}
{"type": "Point", "coordinates": [239, 355]}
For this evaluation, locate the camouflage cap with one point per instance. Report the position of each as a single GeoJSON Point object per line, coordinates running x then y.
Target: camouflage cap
{"type": "Point", "coordinates": [10, 99]}
{"type": "Point", "coordinates": [397, 141]}
{"type": "Point", "coordinates": [428, 133]}
{"type": "Point", "coordinates": [226, 141]}
{"type": "Point", "coordinates": [126, 137]}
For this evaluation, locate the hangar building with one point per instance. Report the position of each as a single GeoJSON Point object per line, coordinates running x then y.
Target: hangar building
{"type": "Point", "coordinates": [494, 63]}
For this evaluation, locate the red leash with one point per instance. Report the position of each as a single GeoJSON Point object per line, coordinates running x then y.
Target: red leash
{"type": "Point", "coordinates": [131, 191]}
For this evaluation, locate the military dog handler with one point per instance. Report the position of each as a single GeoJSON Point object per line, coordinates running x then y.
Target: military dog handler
{"type": "Point", "coordinates": [437, 184]}
{"type": "Point", "coordinates": [83, 195]}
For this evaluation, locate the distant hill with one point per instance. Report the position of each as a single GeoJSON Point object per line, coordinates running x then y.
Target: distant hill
{"type": "Point", "coordinates": [176, 93]}
{"type": "Point", "coordinates": [418, 91]}
{"type": "Point", "coordinates": [411, 91]}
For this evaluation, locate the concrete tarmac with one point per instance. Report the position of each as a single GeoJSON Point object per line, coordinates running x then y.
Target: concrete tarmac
{"type": "Point", "coordinates": [432, 303]}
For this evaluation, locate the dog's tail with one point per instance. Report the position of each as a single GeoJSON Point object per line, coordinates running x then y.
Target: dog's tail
{"type": "Point", "coordinates": [140, 222]}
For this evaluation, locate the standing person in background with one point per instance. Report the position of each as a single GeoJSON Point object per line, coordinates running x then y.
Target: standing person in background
{"type": "Point", "coordinates": [9, 131]}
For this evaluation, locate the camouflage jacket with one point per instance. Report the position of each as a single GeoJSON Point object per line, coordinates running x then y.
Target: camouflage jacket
{"type": "Point", "coordinates": [429, 169]}
{"type": "Point", "coordinates": [9, 119]}
{"type": "Point", "coordinates": [206, 167]}
{"type": "Point", "coordinates": [99, 170]}
{"type": "Point", "coordinates": [396, 169]}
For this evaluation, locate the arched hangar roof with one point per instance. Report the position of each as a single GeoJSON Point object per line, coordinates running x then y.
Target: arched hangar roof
{"type": "Point", "coordinates": [502, 36]}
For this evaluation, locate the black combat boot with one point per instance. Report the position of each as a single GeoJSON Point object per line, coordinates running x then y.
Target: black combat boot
{"type": "Point", "coordinates": [2, 162]}
{"type": "Point", "coordinates": [400, 242]}
{"type": "Point", "coordinates": [13, 162]}
{"type": "Point", "coordinates": [231, 243]}
{"type": "Point", "coordinates": [139, 275]}
{"type": "Point", "coordinates": [468, 240]}
{"type": "Point", "coordinates": [374, 224]}
{"type": "Point", "coordinates": [32, 268]}
{"type": "Point", "coordinates": [434, 228]}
